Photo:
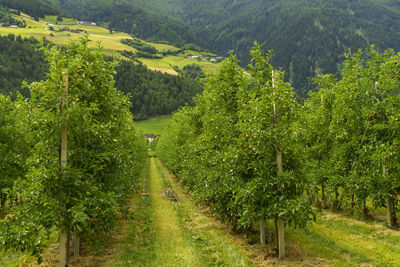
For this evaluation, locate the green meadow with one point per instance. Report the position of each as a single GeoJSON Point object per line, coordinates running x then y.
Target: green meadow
{"type": "Point", "coordinates": [111, 42]}
{"type": "Point", "coordinates": [154, 125]}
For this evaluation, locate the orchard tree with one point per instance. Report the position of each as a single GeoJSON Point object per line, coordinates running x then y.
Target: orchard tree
{"type": "Point", "coordinates": [268, 119]}
{"type": "Point", "coordinates": [383, 112]}
{"type": "Point", "coordinates": [83, 192]}
{"type": "Point", "coordinates": [316, 120]}
{"type": "Point", "coordinates": [14, 143]}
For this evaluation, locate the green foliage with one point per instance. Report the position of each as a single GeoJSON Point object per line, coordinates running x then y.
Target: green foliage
{"type": "Point", "coordinates": [140, 45]}
{"type": "Point", "coordinates": [352, 131]}
{"type": "Point", "coordinates": [126, 17]}
{"type": "Point", "coordinates": [224, 149]}
{"type": "Point", "coordinates": [192, 71]}
{"type": "Point", "coordinates": [105, 154]}
{"type": "Point", "coordinates": [144, 50]}
{"type": "Point", "coordinates": [14, 144]}
{"type": "Point", "coordinates": [152, 93]}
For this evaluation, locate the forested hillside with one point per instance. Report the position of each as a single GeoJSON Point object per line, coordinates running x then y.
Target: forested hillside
{"type": "Point", "coordinates": [20, 59]}
{"type": "Point", "coordinates": [123, 16]}
{"type": "Point", "coordinates": [35, 8]}
{"type": "Point", "coordinates": [308, 37]}
{"type": "Point", "coordinates": [151, 92]}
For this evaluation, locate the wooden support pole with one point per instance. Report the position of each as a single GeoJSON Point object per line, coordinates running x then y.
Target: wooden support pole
{"type": "Point", "coordinates": [262, 231]}
{"type": "Point", "coordinates": [390, 212]}
{"type": "Point", "coordinates": [280, 230]}
{"type": "Point", "coordinates": [64, 235]}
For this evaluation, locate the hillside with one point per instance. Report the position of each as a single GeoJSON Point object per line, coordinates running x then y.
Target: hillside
{"type": "Point", "coordinates": [123, 16]}
{"type": "Point", "coordinates": [148, 72]}
{"type": "Point", "coordinates": [35, 8]}
{"type": "Point", "coordinates": [308, 37]}
{"type": "Point", "coordinates": [61, 32]}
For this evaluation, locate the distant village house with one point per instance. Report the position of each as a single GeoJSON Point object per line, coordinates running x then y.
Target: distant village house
{"type": "Point", "coordinates": [193, 56]}
{"type": "Point", "coordinates": [87, 23]}
{"type": "Point", "coordinates": [151, 137]}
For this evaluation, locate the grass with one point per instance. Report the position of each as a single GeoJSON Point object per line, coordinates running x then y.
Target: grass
{"type": "Point", "coordinates": [180, 61]}
{"type": "Point", "coordinates": [140, 230]}
{"type": "Point", "coordinates": [65, 21]}
{"type": "Point", "coordinates": [173, 247]}
{"type": "Point", "coordinates": [349, 242]}
{"type": "Point", "coordinates": [171, 233]}
{"type": "Point", "coordinates": [14, 259]}
{"type": "Point", "coordinates": [110, 42]}
{"type": "Point", "coordinates": [214, 245]}
{"type": "Point", "coordinates": [163, 47]}
{"type": "Point", "coordinates": [155, 125]}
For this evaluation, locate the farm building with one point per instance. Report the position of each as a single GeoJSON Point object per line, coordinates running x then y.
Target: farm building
{"type": "Point", "coordinates": [151, 137]}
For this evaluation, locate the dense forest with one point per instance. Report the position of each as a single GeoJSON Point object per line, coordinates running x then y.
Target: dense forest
{"type": "Point", "coordinates": [20, 59]}
{"type": "Point", "coordinates": [151, 93]}
{"type": "Point", "coordinates": [35, 8]}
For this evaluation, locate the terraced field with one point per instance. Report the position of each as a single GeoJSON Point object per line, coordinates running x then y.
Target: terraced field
{"type": "Point", "coordinates": [111, 42]}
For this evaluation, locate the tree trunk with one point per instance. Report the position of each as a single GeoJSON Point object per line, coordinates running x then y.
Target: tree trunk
{"type": "Point", "coordinates": [262, 231]}
{"type": "Point", "coordinates": [3, 199]}
{"type": "Point", "coordinates": [64, 249]}
{"type": "Point", "coordinates": [365, 209]}
{"type": "Point", "coordinates": [339, 204]}
{"type": "Point", "coordinates": [276, 234]}
{"type": "Point", "coordinates": [352, 202]}
{"type": "Point", "coordinates": [76, 242]}
{"type": "Point", "coordinates": [336, 197]}
{"type": "Point", "coordinates": [323, 195]}
{"type": "Point", "coordinates": [390, 213]}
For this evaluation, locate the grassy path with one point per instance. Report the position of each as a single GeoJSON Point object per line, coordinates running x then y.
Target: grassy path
{"type": "Point", "coordinates": [168, 230]}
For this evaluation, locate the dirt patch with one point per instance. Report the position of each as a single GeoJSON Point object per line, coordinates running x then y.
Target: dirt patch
{"type": "Point", "coordinates": [170, 195]}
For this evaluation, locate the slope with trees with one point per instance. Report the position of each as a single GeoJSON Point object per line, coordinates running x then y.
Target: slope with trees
{"type": "Point", "coordinates": [20, 59]}
{"type": "Point", "coordinates": [35, 8]}
{"type": "Point", "coordinates": [151, 92]}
